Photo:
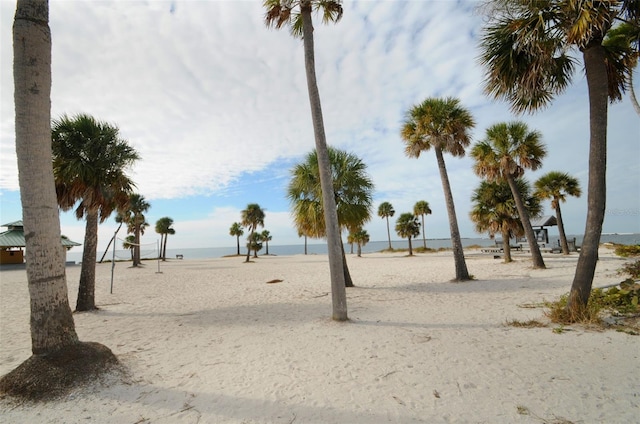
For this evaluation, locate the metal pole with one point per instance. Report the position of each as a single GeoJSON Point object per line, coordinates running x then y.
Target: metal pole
{"type": "Point", "coordinates": [158, 244]}
{"type": "Point", "coordinates": [113, 263]}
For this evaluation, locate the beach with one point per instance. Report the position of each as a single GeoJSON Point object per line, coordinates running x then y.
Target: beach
{"type": "Point", "coordinates": [211, 341]}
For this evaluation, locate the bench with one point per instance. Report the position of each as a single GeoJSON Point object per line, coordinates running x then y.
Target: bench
{"type": "Point", "coordinates": [179, 256]}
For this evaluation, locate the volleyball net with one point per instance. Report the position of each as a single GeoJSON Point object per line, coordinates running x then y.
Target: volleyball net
{"type": "Point", "coordinates": [124, 250]}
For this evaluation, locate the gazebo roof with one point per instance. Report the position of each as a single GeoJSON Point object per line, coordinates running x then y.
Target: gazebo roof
{"type": "Point", "coordinates": [14, 237]}
{"type": "Point", "coordinates": [544, 221]}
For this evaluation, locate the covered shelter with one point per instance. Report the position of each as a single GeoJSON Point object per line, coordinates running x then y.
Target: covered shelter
{"type": "Point", "coordinates": [12, 243]}
{"type": "Point", "coordinates": [539, 228]}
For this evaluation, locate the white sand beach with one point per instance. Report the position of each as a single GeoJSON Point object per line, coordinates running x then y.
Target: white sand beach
{"type": "Point", "coordinates": [209, 341]}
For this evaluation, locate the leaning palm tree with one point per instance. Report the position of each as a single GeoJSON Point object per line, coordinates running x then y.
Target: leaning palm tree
{"type": "Point", "coordinates": [296, 14]}
{"type": "Point", "coordinates": [163, 227]}
{"type": "Point", "coordinates": [557, 186]}
{"type": "Point", "coordinates": [236, 231]}
{"type": "Point", "coordinates": [421, 208]}
{"type": "Point", "coordinates": [89, 165]}
{"type": "Point", "coordinates": [54, 341]}
{"type": "Point", "coordinates": [266, 238]}
{"type": "Point", "coordinates": [507, 151]}
{"type": "Point", "coordinates": [252, 218]}
{"type": "Point", "coordinates": [444, 125]}
{"type": "Point", "coordinates": [353, 190]}
{"type": "Point", "coordinates": [136, 222]}
{"type": "Point", "coordinates": [494, 210]}
{"type": "Point", "coordinates": [407, 226]}
{"type": "Point", "coordinates": [385, 210]}
{"type": "Point", "coordinates": [526, 48]}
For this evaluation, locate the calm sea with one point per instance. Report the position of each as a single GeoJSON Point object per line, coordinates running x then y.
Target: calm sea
{"type": "Point", "coordinates": [321, 248]}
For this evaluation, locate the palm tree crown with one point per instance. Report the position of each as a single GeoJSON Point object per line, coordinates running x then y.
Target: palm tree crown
{"type": "Point", "coordinates": [407, 226]}
{"type": "Point", "coordinates": [281, 13]}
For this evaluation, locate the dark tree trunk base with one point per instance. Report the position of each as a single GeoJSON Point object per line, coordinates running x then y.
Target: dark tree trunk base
{"type": "Point", "coordinates": [51, 376]}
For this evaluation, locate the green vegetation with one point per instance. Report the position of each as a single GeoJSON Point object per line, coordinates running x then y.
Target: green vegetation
{"type": "Point", "coordinates": [626, 250]}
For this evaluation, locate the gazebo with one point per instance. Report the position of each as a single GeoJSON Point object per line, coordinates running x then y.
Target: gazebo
{"type": "Point", "coordinates": [538, 225]}
{"type": "Point", "coordinates": [12, 243]}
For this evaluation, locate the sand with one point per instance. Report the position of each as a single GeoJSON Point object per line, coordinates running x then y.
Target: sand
{"type": "Point", "coordinates": [209, 341]}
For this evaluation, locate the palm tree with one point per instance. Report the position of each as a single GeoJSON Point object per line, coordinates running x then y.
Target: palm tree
{"type": "Point", "coordinates": [54, 341]}
{"type": "Point", "coordinates": [236, 231]}
{"type": "Point", "coordinates": [557, 186]}
{"type": "Point", "coordinates": [509, 149]}
{"type": "Point", "coordinates": [89, 163]}
{"type": "Point", "coordinates": [252, 217]}
{"type": "Point", "coordinates": [622, 44]}
{"type": "Point", "coordinates": [494, 210]}
{"type": "Point", "coordinates": [407, 226]}
{"type": "Point", "coordinates": [266, 238]}
{"type": "Point", "coordinates": [385, 210]}
{"type": "Point", "coordinates": [361, 238]}
{"type": "Point", "coordinates": [129, 243]}
{"type": "Point", "coordinates": [296, 14]}
{"type": "Point", "coordinates": [119, 220]}
{"type": "Point", "coordinates": [163, 227]}
{"type": "Point", "coordinates": [136, 222]}
{"type": "Point", "coordinates": [254, 243]}
{"type": "Point", "coordinates": [421, 208]}
{"type": "Point", "coordinates": [444, 125]}
{"type": "Point", "coordinates": [353, 189]}
{"type": "Point", "coordinates": [526, 49]}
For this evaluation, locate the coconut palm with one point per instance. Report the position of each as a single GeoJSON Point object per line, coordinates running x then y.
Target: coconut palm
{"type": "Point", "coordinates": [54, 341]}
{"type": "Point", "coordinates": [163, 227]}
{"type": "Point", "coordinates": [421, 208]}
{"type": "Point", "coordinates": [89, 164]}
{"type": "Point", "coordinates": [407, 226]}
{"type": "Point", "coordinates": [236, 231]}
{"type": "Point", "coordinates": [252, 217]}
{"type": "Point", "coordinates": [507, 151]}
{"type": "Point", "coordinates": [494, 210]}
{"type": "Point", "coordinates": [361, 238]}
{"type": "Point", "coordinates": [266, 238]}
{"type": "Point", "coordinates": [526, 48]}
{"type": "Point", "coordinates": [557, 186]}
{"type": "Point", "coordinates": [353, 190]}
{"type": "Point", "coordinates": [385, 210]}
{"type": "Point", "coordinates": [296, 14]}
{"type": "Point", "coordinates": [136, 222]}
{"type": "Point", "coordinates": [444, 125]}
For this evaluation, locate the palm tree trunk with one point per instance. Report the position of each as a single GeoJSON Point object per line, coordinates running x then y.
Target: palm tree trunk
{"type": "Point", "coordinates": [410, 247]}
{"type": "Point", "coordinates": [632, 93]}
{"type": "Point", "coordinates": [462, 274]}
{"type": "Point", "coordinates": [238, 243]}
{"type": "Point", "coordinates": [506, 246]}
{"type": "Point", "coordinates": [305, 245]}
{"type": "Point", "coordinates": [359, 250]}
{"type": "Point", "coordinates": [536, 256]}
{"type": "Point", "coordinates": [164, 247]}
{"type": "Point", "coordinates": [87, 286]}
{"type": "Point", "coordinates": [348, 282]}
{"type": "Point", "coordinates": [388, 234]}
{"type": "Point", "coordinates": [136, 247]}
{"type": "Point", "coordinates": [424, 236]}
{"type": "Point", "coordinates": [249, 243]}
{"type": "Point", "coordinates": [110, 241]}
{"type": "Point", "coordinates": [563, 236]}
{"type": "Point", "coordinates": [594, 63]}
{"type": "Point", "coordinates": [334, 244]}
{"type": "Point", "coordinates": [52, 326]}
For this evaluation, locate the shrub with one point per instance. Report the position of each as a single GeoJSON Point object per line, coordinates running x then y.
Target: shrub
{"type": "Point", "coordinates": [626, 250]}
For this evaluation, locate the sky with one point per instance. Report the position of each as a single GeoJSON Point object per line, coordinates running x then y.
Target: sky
{"type": "Point", "coordinates": [216, 105]}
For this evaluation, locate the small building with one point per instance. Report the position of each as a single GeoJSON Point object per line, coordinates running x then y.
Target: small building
{"type": "Point", "coordinates": [12, 243]}
{"type": "Point", "coordinates": [538, 225]}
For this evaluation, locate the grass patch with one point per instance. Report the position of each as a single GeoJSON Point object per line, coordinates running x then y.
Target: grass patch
{"type": "Point", "coordinates": [626, 251]}
{"type": "Point", "coordinates": [532, 323]}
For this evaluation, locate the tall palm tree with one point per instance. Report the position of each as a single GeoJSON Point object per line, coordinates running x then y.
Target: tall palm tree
{"type": "Point", "coordinates": [163, 227]}
{"type": "Point", "coordinates": [236, 231]}
{"type": "Point", "coordinates": [407, 226]}
{"type": "Point", "coordinates": [507, 151]}
{"type": "Point", "coordinates": [252, 217]}
{"type": "Point", "coordinates": [296, 14]}
{"type": "Point", "coordinates": [361, 238]}
{"type": "Point", "coordinates": [494, 210]}
{"type": "Point", "coordinates": [54, 341]}
{"type": "Point", "coordinates": [444, 125]}
{"type": "Point", "coordinates": [526, 48]}
{"type": "Point", "coordinates": [266, 238]}
{"type": "Point", "coordinates": [557, 186]}
{"type": "Point", "coordinates": [353, 190]}
{"type": "Point", "coordinates": [89, 164]}
{"type": "Point", "coordinates": [421, 208]}
{"type": "Point", "coordinates": [136, 222]}
{"type": "Point", "coordinates": [385, 210]}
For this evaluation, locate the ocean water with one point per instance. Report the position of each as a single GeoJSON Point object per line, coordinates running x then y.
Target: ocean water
{"type": "Point", "coordinates": [316, 248]}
